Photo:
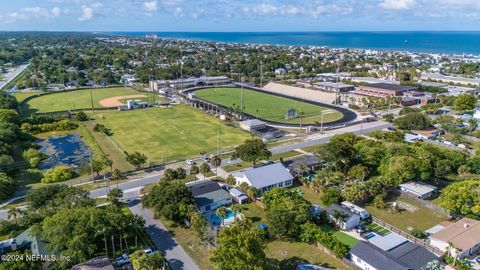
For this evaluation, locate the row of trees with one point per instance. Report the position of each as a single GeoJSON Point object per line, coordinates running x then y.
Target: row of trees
{"type": "Point", "coordinates": [359, 170]}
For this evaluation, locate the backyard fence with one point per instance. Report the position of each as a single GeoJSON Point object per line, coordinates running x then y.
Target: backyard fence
{"type": "Point", "coordinates": [409, 237]}
{"type": "Point", "coordinates": [425, 203]}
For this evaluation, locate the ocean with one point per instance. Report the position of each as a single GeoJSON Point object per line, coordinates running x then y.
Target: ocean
{"type": "Point", "coordinates": [429, 42]}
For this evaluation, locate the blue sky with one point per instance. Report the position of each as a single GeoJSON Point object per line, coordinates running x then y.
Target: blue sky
{"type": "Point", "coordinates": [239, 15]}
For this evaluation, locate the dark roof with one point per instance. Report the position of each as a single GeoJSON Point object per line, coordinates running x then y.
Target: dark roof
{"type": "Point", "coordinates": [375, 257]}
{"type": "Point", "coordinates": [412, 255]}
{"type": "Point", "coordinates": [206, 192]}
{"type": "Point", "coordinates": [405, 256]}
{"type": "Point", "coordinates": [391, 87]}
{"type": "Point", "coordinates": [307, 160]}
{"type": "Point", "coordinates": [203, 187]}
{"type": "Point", "coordinates": [335, 207]}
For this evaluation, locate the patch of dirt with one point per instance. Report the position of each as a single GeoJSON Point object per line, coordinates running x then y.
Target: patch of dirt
{"type": "Point", "coordinates": [406, 206]}
{"type": "Point", "coordinates": [115, 101]}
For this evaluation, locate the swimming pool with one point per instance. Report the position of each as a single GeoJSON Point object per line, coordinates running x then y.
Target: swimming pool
{"type": "Point", "coordinates": [216, 220]}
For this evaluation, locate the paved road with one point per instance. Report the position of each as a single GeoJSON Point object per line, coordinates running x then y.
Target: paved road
{"type": "Point", "coordinates": [315, 139]}
{"type": "Point", "coordinates": [163, 239]}
{"type": "Point", "coordinates": [9, 76]}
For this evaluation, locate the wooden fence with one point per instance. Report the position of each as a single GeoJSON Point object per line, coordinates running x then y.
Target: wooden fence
{"type": "Point", "coordinates": [425, 203]}
{"type": "Point", "coordinates": [409, 237]}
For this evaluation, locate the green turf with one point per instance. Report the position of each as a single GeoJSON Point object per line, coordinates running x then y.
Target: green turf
{"type": "Point", "coordinates": [169, 134]}
{"type": "Point", "coordinates": [269, 107]}
{"type": "Point", "coordinates": [73, 100]}
{"type": "Point", "coordinates": [346, 239]}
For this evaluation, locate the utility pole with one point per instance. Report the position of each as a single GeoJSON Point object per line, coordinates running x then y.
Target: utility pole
{"type": "Point", "coordinates": [321, 124]}
{"type": "Point", "coordinates": [218, 142]}
{"type": "Point", "coordinates": [91, 100]}
{"type": "Point", "coordinates": [261, 74]}
{"type": "Point", "coordinates": [242, 80]}
{"type": "Point", "coordinates": [181, 75]}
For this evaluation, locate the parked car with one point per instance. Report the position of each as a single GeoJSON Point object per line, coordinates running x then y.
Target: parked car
{"type": "Point", "coordinates": [206, 158]}
{"type": "Point", "coordinates": [190, 162]}
{"type": "Point", "coordinates": [477, 259]}
{"type": "Point", "coordinates": [124, 259]}
{"type": "Point", "coordinates": [361, 229]}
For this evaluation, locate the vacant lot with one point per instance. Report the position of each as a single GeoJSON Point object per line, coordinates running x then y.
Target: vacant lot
{"type": "Point", "coordinates": [411, 215]}
{"type": "Point", "coordinates": [169, 134]}
{"type": "Point", "coordinates": [267, 106]}
{"type": "Point", "coordinates": [77, 99]}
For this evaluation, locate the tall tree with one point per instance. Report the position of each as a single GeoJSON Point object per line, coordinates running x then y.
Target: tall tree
{"type": "Point", "coordinates": [239, 247]}
{"type": "Point", "coordinates": [252, 150]}
{"type": "Point", "coordinates": [137, 159]}
{"type": "Point", "coordinates": [216, 162]}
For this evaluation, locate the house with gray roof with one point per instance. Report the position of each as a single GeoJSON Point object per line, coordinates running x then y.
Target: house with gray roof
{"type": "Point", "coordinates": [406, 256]}
{"type": "Point", "coordinates": [266, 177]}
{"type": "Point", "coordinates": [343, 217]}
{"type": "Point", "coordinates": [208, 195]}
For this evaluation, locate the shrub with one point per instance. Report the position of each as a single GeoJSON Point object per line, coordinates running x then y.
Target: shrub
{"type": "Point", "coordinates": [418, 233]}
{"type": "Point", "coordinates": [7, 186]}
{"type": "Point", "coordinates": [58, 174]}
{"type": "Point", "coordinates": [34, 157]}
{"type": "Point", "coordinates": [81, 116]}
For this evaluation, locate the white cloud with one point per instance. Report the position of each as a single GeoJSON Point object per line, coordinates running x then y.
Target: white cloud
{"type": "Point", "coordinates": [178, 12]}
{"type": "Point", "coordinates": [150, 6]}
{"type": "Point", "coordinates": [397, 4]}
{"type": "Point", "coordinates": [87, 13]}
{"type": "Point", "coordinates": [56, 11]}
{"type": "Point", "coordinates": [29, 13]}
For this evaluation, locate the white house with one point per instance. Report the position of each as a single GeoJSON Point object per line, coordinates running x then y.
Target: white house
{"type": "Point", "coordinates": [419, 189]}
{"type": "Point", "coordinates": [348, 219]}
{"type": "Point", "coordinates": [459, 239]}
{"type": "Point", "coordinates": [280, 71]}
{"type": "Point", "coordinates": [208, 195]}
{"type": "Point", "coordinates": [266, 177]}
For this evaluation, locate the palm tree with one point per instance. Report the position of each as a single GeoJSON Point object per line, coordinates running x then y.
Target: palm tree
{"type": "Point", "coordinates": [252, 193]}
{"type": "Point", "coordinates": [231, 180]}
{"type": "Point", "coordinates": [114, 196]}
{"type": "Point", "coordinates": [451, 247]}
{"type": "Point", "coordinates": [301, 114]}
{"type": "Point", "coordinates": [204, 169]}
{"type": "Point", "coordinates": [216, 162]}
{"type": "Point", "coordinates": [116, 175]}
{"type": "Point", "coordinates": [244, 186]}
{"type": "Point", "coordinates": [14, 213]}
{"type": "Point", "coordinates": [222, 213]}
{"type": "Point", "coordinates": [194, 170]}
{"type": "Point", "coordinates": [236, 208]}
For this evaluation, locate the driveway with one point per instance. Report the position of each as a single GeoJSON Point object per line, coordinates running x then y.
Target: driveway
{"type": "Point", "coordinates": [163, 239]}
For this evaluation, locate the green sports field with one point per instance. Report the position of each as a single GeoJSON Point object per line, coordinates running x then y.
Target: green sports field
{"type": "Point", "coordinates": [269, 107]}
{"type": "Point", "coordinates": [169, 134]}
{"type": "Point", "coordinates": [74, 99]}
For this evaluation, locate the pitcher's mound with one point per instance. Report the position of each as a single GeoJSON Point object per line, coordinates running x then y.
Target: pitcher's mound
{"type": "Point", "coordinates": [115, 101]}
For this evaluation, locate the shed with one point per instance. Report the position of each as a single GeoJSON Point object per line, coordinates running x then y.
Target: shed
{"type": "Point", "coordinates": [238, 196]}
{"type": "Point", "coordinates": [252, 124]}
{"type": "Point", "coordinates": [418, 189]}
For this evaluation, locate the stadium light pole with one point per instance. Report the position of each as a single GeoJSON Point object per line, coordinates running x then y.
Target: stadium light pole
{"type": "Point", "coordinates": [321, 120]}
{"type": "Point", "coordinates": [91, 100]}
{"type": "Point", "coordinates": [242, 80]}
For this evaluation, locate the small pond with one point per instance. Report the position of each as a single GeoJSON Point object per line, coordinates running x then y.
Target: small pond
{"type": "Point", "coordinates": [67, 150]}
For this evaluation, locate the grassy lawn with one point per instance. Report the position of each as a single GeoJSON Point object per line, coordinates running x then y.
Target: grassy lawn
{"type": "Point", "coordinates": [289, 254]}
{"type": "Point", "coordinates": [341, 236]}
{"type": "Point", "coordinates": [169, 134]}
{"type": "Point", "coordinates": [100, 143]}
{"type": "Point", "coordinates": [253, 212]}
{"type": "Point", "coordinates": [310, 195]}
{"type": "Point", "coordinates": [77, 99]}
{"type": "Point", "coordinates": [21, 96]}
{"type": "Point", "coordinates": [419, 216]}
{"type": "Point", "coordinates": [285, 155]}
{"type": "Point", "coordinates": [189, 240]}
{"type": "Point", "coordinates": [267, 106]}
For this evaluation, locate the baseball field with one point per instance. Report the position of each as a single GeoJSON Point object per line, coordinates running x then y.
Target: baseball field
{"type": "Point", "coordinates": [268, 107]}
{"type": "Point", "coordinates": [78, 99]}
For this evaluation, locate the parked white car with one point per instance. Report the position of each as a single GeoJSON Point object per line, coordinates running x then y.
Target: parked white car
{"type": "Point", "coordinates": [190, 162]}
{"type": "Point", "coordinates": [124, 259]}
